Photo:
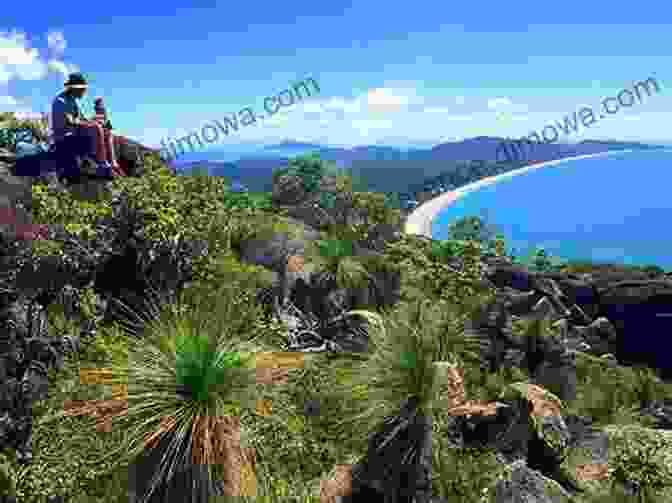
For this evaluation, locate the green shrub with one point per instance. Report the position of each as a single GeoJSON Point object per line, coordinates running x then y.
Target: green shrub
{"type": "Point", "coordinates": [310, 168]}
{"type": "Point", "coordinates": [471, 229]}
{"type": "Point", "coordinates": [614, 395]}
{"type": "Point", "coordinates": [78, 217]}
{"type": "Point", "coordinates": [539, 261]}
{"type": "Point", "coordinates": [641, 457]}
{"type": "Point", "coordinates": [65, 453]}
{"type": "Point", "coordinates": [462, 475]}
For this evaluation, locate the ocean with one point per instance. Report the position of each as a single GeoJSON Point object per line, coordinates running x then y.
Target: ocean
{"type": "Point", "coordinates": [616, 208]}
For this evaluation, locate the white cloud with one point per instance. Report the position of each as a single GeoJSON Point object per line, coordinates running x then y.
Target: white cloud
{"type": "Point", "coordinates": [8, 101]}
{"type": "Point", "coordinates": [61, 67]}
{"type": "Point", "coordinates": [504, 108]}
{"type": "Point", "coordinates": [34, 71]}
{"type": "Point", "coordinates": [385, 97]}
{"type": "Point", "coordinates": [342, 106]}
{"type": "Point", "coordinates": [19, 61]}
{"type": "Point", "coordinates": [459, 118]}
{"type": "Point", "coordinates": [499, 103]}
{"type": "Point", "coordinates": [397, 112]}
{"type": "Point", "coordinates": [56, 42]}
{"type": "Point", "coordinates": [14, 50]}
{"type": "Point", "coordinates": [375, 101]}
{"type": "Point", "coordinates": [5, 75]}
{"type": "Point", "coordinates": [312, 107]}
{"type": "Point", "coordinates": [385, 100]}
{"type": "Point", "coordinates": [277, 120]}
{"type": "Point", "coordinates": [372, 124]}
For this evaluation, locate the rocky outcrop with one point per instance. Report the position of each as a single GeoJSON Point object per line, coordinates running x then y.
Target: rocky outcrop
{"type": "Point", "coordinates": [15, 191]}
{"type": "Point", "coordinates": [589, 313]}
{"type": "Point", "coordinates": [544, 454]}
{"type": "Point", "coordinates": [27, 352]}
{"type": "Point", "coordinates": [527, 426]}
{"type": "Point", "coordinates": [119, 265]}
{"type": "Point", "coordinates": [605, 316]}
{"type": "Point", "coordinates": [632, 305]}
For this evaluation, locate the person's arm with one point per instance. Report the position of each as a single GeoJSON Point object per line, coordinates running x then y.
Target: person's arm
{"type": "Point", "coordinates": [72, 120]}
{"type": "Point", "coordinates": [76, 121]}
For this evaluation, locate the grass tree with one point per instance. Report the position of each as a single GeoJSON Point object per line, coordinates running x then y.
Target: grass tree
{"type": "Point", "coordinates": [410, 348]}
{"type": "Point", "coordinates": [182, 386]}
{"type": "Point", "coordinates": [413, 348]}
{"type": "Point", "coordinates": [335, 257]}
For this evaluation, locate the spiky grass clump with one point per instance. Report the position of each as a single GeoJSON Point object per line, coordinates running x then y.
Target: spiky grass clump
{"type": "Point", "coordinates": [407, 345]}
{"type": "Point", "coordinates": [294, 443]}
{"type": "Point", "coordinates": [335, 256]}
{"type": "Point", "coordinates": [611, 394]}
{"type": "Point", "coordinates": [185, 371]}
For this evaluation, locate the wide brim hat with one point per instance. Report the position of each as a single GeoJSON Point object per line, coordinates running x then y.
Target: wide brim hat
{"type": "Point", "coordinates": [76, 81]}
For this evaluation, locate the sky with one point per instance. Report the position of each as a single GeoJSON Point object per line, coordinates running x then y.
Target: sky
{"type": "Point", "coordinates": [413, 74]}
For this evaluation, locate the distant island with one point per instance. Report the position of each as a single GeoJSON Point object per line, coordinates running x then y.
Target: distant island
{"type": "Point", "coordinates": [410, 175]}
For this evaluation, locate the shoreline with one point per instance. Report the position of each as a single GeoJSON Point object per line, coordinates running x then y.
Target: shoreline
{"type": "Point", "coordinates": [419, 222]}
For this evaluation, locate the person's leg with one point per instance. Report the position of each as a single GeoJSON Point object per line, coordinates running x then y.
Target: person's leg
{"type": "Point", "coordinates": [100, 143]}
{"type": "Point", "coordinates": [67, 151]}
{"type": "Point", "coordinates": [110, 149]}
{"type": "Point", "coordinates": [94, 135]}
{"type": "Point", "coordinates": [105, 138]}
{"type": "Point", "coordinates": [81, 144]}
{"type": "Point", "coordinates": [86, 143]}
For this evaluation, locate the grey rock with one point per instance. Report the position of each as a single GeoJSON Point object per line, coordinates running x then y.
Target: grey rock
{"type": "Point", "coordinates": [525, 485]}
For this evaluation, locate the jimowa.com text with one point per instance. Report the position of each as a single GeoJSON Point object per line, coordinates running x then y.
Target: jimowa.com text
{"type": "Point", "coordinates": [212, 133]}
{"type": "Point", "coordinates": [516, 150]}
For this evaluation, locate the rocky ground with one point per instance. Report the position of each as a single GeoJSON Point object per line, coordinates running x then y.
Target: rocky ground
{"type": "Point", "coordinates": [545, 453]}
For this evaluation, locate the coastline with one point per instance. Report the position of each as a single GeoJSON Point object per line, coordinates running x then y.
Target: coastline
{"type": "Point", "coordinates": [419, 222]}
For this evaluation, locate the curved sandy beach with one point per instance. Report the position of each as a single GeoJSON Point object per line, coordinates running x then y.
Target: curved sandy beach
{"type": "Point", "coordinates": [420, 221]}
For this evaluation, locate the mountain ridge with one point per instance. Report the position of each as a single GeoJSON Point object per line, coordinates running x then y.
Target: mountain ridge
{"type": "Point", "coordinates": [387, 168]}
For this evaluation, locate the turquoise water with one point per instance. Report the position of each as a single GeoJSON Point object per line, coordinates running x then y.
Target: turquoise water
{"type": "Point", "coordinates": [616, 208]}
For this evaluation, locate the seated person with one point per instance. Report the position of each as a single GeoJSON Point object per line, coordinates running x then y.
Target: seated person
{"type": "Point", "coordinates": [102, 119]}
{"type": "Point", "coordinates": [74, 135]}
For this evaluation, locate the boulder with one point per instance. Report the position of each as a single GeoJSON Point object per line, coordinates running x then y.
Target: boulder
{"type": "Point", "coordinates": [600, 335]}
{"type": "Point", "coordinates": [288, 190]}
{"type": "Point", "coordinates": [578, 291]}
{"type": "Point", "coordinates": [389, 472]}
{"type": "Point", "coordinates": [16, 190]}
{"type": "Point", "coordinates": [36, 164]}
{"type": "Point", "coordinates": [641, 313]}
{"type": "Point", "coordinates": [661, 413]}
{"type": "Point", "coordinates": [27, 352]}
{"type": "Point", "coordinates": [522, 484]}
{"type": "Point", "coordinates": [381, 234]}
{"type": "Point", "coordinates": [511, 276]}
{"type": "Point", "coordinates": [142, 274]}
{"type": "Point", "coordinates": [130, 155]}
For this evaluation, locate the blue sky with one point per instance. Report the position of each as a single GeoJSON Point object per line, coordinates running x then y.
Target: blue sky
{"type": "Point", "coordinates": [389, 73]}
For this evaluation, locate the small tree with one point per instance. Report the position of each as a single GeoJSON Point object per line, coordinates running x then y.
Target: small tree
{"type": "Point", "coordinates": [471, 229]}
